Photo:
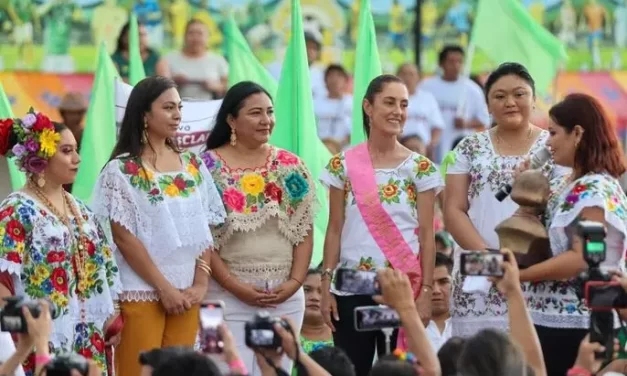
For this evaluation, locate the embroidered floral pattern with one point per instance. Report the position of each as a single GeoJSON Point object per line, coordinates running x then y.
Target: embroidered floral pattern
{"type": "Point", "coordinates": [389, 193]}
{"type": "Point", "coordinates": [43, 256]}
{"type": "Point", "coordinates": [424, 167]}
{"type": "Point", "coordinates": [282, 187]}
{"type": "Point", "coordinates": [336, 165]}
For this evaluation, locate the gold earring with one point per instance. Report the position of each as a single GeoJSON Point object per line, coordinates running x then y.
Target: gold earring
{"type": "Point", "coordinates": [144, 134]}
{"type": "Point", "coordinates": [41, 181]}
{"type": "Point", "coordinates": [233, 137]}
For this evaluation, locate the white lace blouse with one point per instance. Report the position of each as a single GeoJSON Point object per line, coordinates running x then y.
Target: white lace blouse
{"type": "Point", "coordinates": [170, 213]}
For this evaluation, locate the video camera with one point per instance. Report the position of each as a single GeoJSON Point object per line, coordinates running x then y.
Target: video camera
{"type": "Point", "coordinates": [260, 333]}
{"type": "Point", "coordinates": [12, 318]}
{"type": "Point", "coordinates": [64, 364]}
{"type": "Point", "coordinates": [602, 296]}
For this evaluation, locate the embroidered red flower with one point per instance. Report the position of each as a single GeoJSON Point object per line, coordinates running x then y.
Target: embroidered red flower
{"type": "Point", "coordinates": [58, 278]}
{"type": "Point", "coordinates": [234, 199]}
{"type": "Point", "coordinates": [87, 353]}
{"type": "Point", "coordinates": [42, 123]}
{"type": "Point", "coordinates": [6, 212]}
{"type": "Point", "coordinates": [154, 192]}
{"type": "Point", "coordinates": [15, 230]}
{"type": "Point", "coordinates": [14, 257]}
{"type": "Point", "coordinates": [286, 158]}
{"type": "Point", "coordinates": [98, 343]}
{"type": "Point", "coordinates": [180, 183]}
{"type": "Point", "coordinates": [91, 248]}
{"type": "Point", "coordinates": [55, 256]}
{"type": "Point", "coordinates": [5, 134]}
{"type": "Point", "coordinates": [579, 189]}
{"type": "Point", "coordinates": [273, 192]}
{"type": "Point", "coordinates": [130, 167]}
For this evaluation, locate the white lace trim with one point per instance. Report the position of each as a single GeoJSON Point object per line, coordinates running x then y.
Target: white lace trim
{"type": "Point", "coordinates": [266, 271]}
{"type": "Point", "coordinates": [10, 267]}
{"type": "Point", "coordinates": [139, 296]}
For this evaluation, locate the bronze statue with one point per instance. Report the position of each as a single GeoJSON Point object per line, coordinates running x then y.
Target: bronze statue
{"type": "Point", "coordinates": [524, 233]}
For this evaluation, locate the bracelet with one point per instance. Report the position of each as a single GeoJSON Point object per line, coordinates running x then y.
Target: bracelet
{"type": "Point", "coordinates": [237, 366]}
{"type": "Point", "coordinates": [205, 269]}
{"type": "Point", "coordinates": [297, 281]}
{"type": "Point", "coordinates": [326, 273]}
{"type": "Point", "coordinates": [578, 371]}
{"type": "Point", "coordinates": [42, 359]}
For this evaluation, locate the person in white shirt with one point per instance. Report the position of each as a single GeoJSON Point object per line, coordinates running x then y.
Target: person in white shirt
{"type": "Point", "coordinates": [439, 328]}
{"type": "Point", "coordinates": [334, 110]}
{"type": "Point", "coordinates": [199, 74]}
{"type": "Point", "coordinates": [423, 113]}
{"type": "Point", "coordinates": [448, 89]}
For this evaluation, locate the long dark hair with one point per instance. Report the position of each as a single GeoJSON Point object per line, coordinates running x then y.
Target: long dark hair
{"type": "Point", "coordinates": [375, 87]}
{"type": "Point", "coordinates": [139, 103]}
{"type": "Point", "coordinates": [231, 104]}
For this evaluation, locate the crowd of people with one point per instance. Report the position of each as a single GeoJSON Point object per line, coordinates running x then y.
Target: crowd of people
{"type": "Point", "coordinates": [122, 280]}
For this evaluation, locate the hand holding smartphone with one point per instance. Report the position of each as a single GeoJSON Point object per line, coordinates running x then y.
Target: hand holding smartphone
{"type": "Point", "coordinates": [211, 316]}
{"type": "Point", "coordinates": [488, 263]}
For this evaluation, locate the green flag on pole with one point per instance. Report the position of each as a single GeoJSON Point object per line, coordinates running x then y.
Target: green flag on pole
{"type": "Point", "coordinates": [136, 71]}
{"type": "Point", "coordinates": [243, 65]}
{"type": "Point", "coordinates": [296, 122]}
{"type": "Point", "coordinates": [367, 67]}
{"type": "Point", "coordinates": [505, 31]}
{"type": "Point", "coordinates": [18, 178]}
{"type": "Point", "coordinates": [100, 127]}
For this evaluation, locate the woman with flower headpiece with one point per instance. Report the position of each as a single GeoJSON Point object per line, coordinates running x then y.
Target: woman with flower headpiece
{"type": "Point", "coordinates": [50, 243]}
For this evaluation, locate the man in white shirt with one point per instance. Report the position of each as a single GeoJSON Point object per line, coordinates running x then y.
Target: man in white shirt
{"type": "Point", "coordinates": [439, 329]}
{"type": "Point", "coordinates": [450, 90]}
{"type": "Point", "coordinates": [334, 110]}
{"type": "Point", "coordinates": [423, 113]}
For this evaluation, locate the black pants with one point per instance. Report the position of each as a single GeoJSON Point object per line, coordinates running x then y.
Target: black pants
{"type": "Point", "coordinates": [359, 346]}
{"type": "Point", "coordinates": [559, 348]}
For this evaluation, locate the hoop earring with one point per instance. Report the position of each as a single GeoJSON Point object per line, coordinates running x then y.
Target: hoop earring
{"type": "Point", "coordinates": [233, 137]}
{"type": "Point", "coordinates": [41, 181]}
{"type": "Point", "coordinates": [145, 134]}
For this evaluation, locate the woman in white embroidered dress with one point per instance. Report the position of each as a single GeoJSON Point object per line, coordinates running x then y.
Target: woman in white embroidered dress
{"type": "Point", "coordinates": [264, 248]}
{"type": "Point", "coordinates": [583, 138]}
{"type": "Point", "coordinates": [407, 187]}
{"type": "Point", "coordinates": [160, 203]}
{"type": "Point", "coordinates": [484, 162]}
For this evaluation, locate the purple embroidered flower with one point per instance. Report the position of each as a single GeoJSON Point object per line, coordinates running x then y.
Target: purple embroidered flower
{"type": "Point", "coordinates": [572, 199]}
{"type": "Point", "coordinates": [35, 164]}
{"type": "Point", "coordinates": [208, 159]}
{"type": "Point", "coordinates": [18, 150]}
{"type": "Point", "coordinates": [31, 145]}
{"type": "Point", "coordinates": [29, 120]}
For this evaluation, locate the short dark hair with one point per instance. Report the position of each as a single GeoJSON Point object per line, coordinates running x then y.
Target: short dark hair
{"type": "Point", "coordinates": [334, 360]}
{"type": "Point", "coordinates": [509, 69]}
{"type": "Point", "coordinates": [188, 363]}
{"type": "Point", "coordinates": [599, 149]}
{"type": "Point", "coordinates": [335, 68]}
{"type": "Point", "coordinates": [410, 137]}
{"type": "Point", "coordinates": [391, 365]}
{"type": "Point", "coordinates": [443, 260]}
{"type": "Point", "coordinates": [449, 49]}
{"type": "Point", "coordinates": [153, 358]}
{"type": "Point", "coordinates": [449, 354]}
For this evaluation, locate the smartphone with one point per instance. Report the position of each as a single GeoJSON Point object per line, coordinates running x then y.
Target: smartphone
{"type": "Point", "coordinates": [359, 282]}
{"type": "Point", "coordinates": [370, 318]}
{"type": "Point", "coordinates": [605, 296]}
{"type": "Point", "coordinates": [211, 316]}
{"type": "Point", "coordinates": [487, 263]}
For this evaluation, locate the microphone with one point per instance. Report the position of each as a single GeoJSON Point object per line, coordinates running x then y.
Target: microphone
{"type": "Point", "coordinates": [537, 161]}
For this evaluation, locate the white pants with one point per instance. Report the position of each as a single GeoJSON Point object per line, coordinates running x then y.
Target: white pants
{"type": "Point", "coordinates": [237, 313]}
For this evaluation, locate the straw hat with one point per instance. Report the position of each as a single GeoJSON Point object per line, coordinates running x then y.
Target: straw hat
{"type": "Point", "coordinates": [73, 101]}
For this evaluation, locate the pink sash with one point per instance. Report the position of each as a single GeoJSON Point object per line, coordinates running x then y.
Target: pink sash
{"type": "Point", "coordinates": [381, 226]}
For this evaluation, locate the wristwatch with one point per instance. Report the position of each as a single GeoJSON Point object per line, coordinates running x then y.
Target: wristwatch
{"type": "Point", "coordinates": [328, 272]}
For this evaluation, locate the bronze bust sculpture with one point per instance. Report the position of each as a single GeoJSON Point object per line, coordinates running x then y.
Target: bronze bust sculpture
{"type": "Point", "coordinates": [524, 233]}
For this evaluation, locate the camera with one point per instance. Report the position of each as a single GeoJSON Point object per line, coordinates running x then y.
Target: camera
{"type": "Point", "coordinates": [359, 282]}
{"type": "Point", "coordinates": [260, 332]}
{"type": "Point", "coordinates": [62, 365]}
{"type": "Point", "coordinates": [11, 317]}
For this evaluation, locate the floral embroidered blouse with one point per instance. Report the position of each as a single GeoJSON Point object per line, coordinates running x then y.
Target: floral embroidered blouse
{"type": "Point", "coordinates": [36, 249]}
{"type": "Point", "coordinates": [269, 211]}
{"type": "Point", "coordinates": [398, 189]}
{"type": "Point", "coordinates": [170, 213]}
{"type": "Point", "coordinates": [555, 303]}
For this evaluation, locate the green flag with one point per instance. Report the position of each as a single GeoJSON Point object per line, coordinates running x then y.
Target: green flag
{"type": "Point", "coordinates": [136, 71]}
{"type": "Point", "coordinates": [366, 68]}
{"type": "Point", "coordinates": [296, 123]}
{"type": "Point", "coordinates": [100, 128]}
{"type": "Point", "coordinates": [18, 178]}
{"type": "Point", "coordinates": [243, 65]}
{"type": "Point", "coordinates": [505, 31]}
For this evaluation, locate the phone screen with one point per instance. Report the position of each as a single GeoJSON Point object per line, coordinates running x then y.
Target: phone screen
{"type": "Point", "coordinates": [376, 318]}
{"type": "Point", "coordinates": [488, 264]}
{"type": "Point", "coordinates": [211, 316]}
{"type": "Point", "coordinates": [358, 282]}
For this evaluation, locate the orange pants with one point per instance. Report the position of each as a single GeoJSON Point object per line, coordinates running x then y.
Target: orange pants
{"type": "Point", "coordinates": [147, 326]}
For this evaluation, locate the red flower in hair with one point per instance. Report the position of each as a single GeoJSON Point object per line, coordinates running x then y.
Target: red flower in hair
{"type": "Point", "coordinates": [5, 134]}
{"type": "Point", "coordinates": [42, 123]}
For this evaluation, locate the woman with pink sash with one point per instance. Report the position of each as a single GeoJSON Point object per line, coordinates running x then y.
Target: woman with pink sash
{"type": "Point", "coordinates": [379, 193]}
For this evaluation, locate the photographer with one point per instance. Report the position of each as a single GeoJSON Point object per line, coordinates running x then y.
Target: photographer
{"type": "Point", "coordinates": [582, 138]}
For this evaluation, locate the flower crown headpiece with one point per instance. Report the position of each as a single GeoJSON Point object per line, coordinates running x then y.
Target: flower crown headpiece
{"type": "Point", "coordinates": [36, 141]}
